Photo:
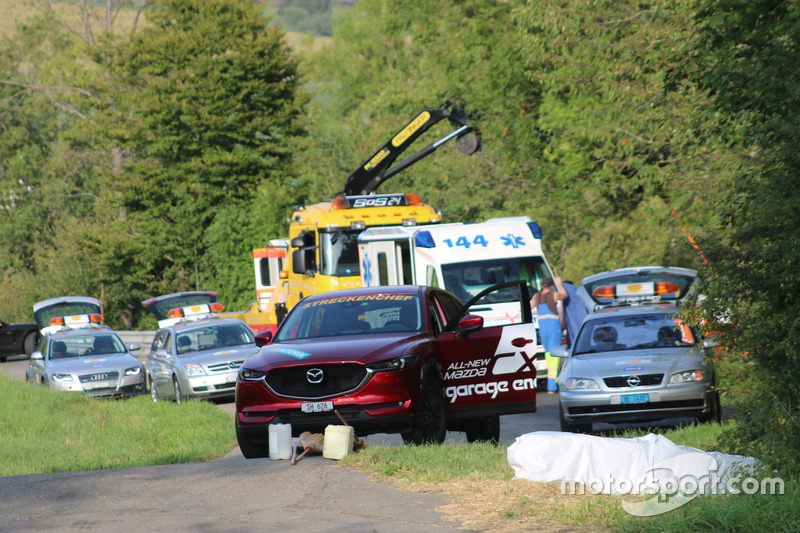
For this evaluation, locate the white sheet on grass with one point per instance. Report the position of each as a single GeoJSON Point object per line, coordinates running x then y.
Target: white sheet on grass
{"type": "Point", "coordinates": [608, 465]}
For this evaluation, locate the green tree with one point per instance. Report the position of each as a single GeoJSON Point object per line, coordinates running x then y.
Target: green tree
{"type": "Point", "coordinates": [46, 174]}
{"type": "Point", "coordinates": [204, 103]}
{"type": "Point", "coordinates": [629, 169]}
{"type": "Point", "coordinates": [745, 55]}
{"type": "Point", "coordinates": [580, 131]}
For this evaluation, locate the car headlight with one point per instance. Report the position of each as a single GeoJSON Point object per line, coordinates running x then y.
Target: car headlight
{"type": "Point", "coordinates": [193, 369]}
{"type": "Point", "coordinates": [581, 384]}
{"type": "Point", "coordinates": [63, 377]}
{"type": "Point", "coordinates": [246, 374]}
{"type": "Point", "coordinates": [688, 376]}
{"type": "Point", "coordinates": [398, 363]}
{"type": "Point", "coordinates": [133, 371]}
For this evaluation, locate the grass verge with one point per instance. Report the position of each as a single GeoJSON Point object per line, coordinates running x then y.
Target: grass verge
{"type": "Point", "coordinates": [50, 431]}
{"type": "Point", "coordinates": [477, 480]}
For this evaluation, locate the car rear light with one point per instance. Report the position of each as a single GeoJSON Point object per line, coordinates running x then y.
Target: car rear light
{"type": "Point", "coordinates": [604, 291]}
{"type": "Point", "coordinates": [175, 313]}
{"type": "Point", "coordinates": [666, 287]}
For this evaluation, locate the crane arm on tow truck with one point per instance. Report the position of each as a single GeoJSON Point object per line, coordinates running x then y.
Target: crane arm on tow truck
{"type": "Point", "coordinates": [376, 169]}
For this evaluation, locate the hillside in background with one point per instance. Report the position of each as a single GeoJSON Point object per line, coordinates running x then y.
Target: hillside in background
{"type": "Point", "coordinates": [300, 35]}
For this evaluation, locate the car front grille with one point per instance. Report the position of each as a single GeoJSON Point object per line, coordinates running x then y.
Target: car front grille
{"type": "Point", "coordinates": [336, 379]}
{"type": "Point", "coordinates": [99, 376]}
{"type": "Point", "coordinates": [225, 367]}
{"type": "Point", "coordinates": [644, 380]}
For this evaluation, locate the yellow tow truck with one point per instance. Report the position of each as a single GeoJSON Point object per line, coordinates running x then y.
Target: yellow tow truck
{"type": "Point", "coordinates": [321, 252]}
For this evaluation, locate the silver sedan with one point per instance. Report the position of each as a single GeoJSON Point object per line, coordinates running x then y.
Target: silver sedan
{"type": "Point", "coordinates": [636, 364]}
{"type": "Point", "coordinates": [93, 361]}
{"type": "Point", "coordinates": [198, 358]}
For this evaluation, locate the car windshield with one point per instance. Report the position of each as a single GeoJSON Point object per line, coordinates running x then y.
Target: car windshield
{"type": "Point", "coordinates": [86, 345]}
{"type": "Point", "coordinates": [353, 315]}
{"type": "Point", "coordinates": [467, 279]}
{"type": "Point", "coordinates": [633, 332]}
{"type": "Point", "coordinates": [212, 337]}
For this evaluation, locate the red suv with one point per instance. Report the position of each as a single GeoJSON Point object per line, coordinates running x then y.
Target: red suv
{"type": "Point", "coordinates": [398, 359]}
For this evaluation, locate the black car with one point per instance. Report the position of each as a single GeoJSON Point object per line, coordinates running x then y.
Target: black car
{"type": "Point", "coordinates": [17, 339]}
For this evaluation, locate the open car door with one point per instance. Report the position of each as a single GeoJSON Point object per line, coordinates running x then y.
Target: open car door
{"type": "Point", "coordinates": [489, 370]}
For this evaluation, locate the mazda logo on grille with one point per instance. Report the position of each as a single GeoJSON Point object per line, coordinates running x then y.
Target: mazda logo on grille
{"type": "Point", "coordinates": [633, 381]}
{"type": "Point", "coordinates": [315, 375]}
{"type": "Point", "coordinates": [98, 377]}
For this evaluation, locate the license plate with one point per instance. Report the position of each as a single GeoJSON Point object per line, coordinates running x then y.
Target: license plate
{"type": "Point", "coordinates": [99, 385]}
{"type": "Point", "coordinates": [316, 407]}
{"type": "Point", "coordinates": [635, 398]}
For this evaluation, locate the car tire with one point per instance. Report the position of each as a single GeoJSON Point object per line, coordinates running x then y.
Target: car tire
{"type": "Point", "coordinates": [484, 430]}
{"type": "Point", "coordinates": [29, 344]}
{"type": "Point", "coordinates": [249, 448]}
{"type": "Point", "coordinates": [178, 392]}
{"type": "Point", "coordinates": [431, 426]}
{"type": "Point", "coordinates": [152, 388]}
{"type": "Point", "coordinates": [2, 358]}
{"type": "Point", "coordinates": [572, 427]}
{"type": "Point", "coordinates": [715, 415]}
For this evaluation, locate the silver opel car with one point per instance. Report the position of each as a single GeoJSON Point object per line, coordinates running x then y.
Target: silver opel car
{"type": "Point", "coordinates": [196, 354]}
{"type": "Point", "coordinates": [633, 359]}
{"type": "Point", "coordinates": [92, 360]}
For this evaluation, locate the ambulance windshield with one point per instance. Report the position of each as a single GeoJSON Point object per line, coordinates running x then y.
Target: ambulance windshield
{"type": "Point", "coordinates": [467, 279]}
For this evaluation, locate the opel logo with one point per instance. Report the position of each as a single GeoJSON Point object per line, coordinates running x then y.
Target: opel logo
{"type": "Point", "coordinates": [315, 375]}
{"type": "Point", "coordinates": [633, 381]}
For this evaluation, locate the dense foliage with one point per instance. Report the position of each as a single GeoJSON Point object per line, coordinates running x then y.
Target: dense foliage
{"type": "Point", "coordinates": [152, 160]}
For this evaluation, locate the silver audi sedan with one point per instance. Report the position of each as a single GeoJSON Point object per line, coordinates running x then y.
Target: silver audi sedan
{"type": "Point", "coordinates": [91, 360]}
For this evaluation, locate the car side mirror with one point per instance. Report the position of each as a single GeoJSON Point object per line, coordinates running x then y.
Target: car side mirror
{"type": "Point", "coordinates": [468, 324]}
{"type": "Point", "coordinates": [37, 356]}
{"type": "Point", "coordinates": [263, 337]}
{"type": "Point", "coordinates": [708, 343]}
{"type": "Point", "coordinates": [559, 351]}
{"type": "Point", "coordinates": [163, 353]}
{"type": "Point", "coordinates": [134, 346]}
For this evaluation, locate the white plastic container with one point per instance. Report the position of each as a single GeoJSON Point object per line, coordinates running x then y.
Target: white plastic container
{"type": "Point", "coordinates": [338, 442]}
{"type": "Point", "coordinates": [280, 441]}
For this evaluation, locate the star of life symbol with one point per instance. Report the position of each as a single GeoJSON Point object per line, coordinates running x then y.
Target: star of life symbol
{"type": "Point", "coordinates": [515, 241]}
{"type": "Point", "coordinates": [366, 271]}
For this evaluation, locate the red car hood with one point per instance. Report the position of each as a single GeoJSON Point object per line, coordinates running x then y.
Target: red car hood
{"type": "Point", "coordinates": [356, 348]}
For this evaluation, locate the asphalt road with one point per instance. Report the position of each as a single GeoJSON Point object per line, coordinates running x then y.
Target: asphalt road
{"type": "Point", "coordinates": [236, 494]}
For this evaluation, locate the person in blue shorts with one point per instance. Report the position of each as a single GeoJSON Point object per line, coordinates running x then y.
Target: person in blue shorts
{"type": "Point", "coordinates": [544, 308]}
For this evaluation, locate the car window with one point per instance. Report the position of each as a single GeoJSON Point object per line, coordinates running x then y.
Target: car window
{"type": "Point", "coordinates": [160, 341]}
{"type": "Point", "coordinates": [633, 332]}
{"type": "Point", "coordinates": [380, 313]}
{"type": "Point", "coordinates": [86, 345]}
{"type": "Point", "coordinates": [448, 305]}
{"type": "Point", "coordinates": [212, 337]}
